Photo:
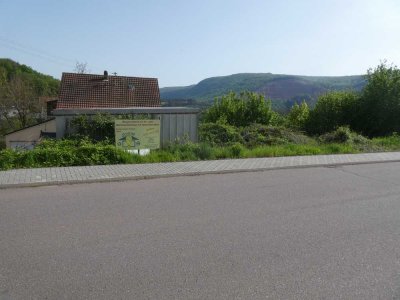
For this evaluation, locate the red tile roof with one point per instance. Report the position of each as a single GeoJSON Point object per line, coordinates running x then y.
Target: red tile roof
{"type": "Point", "coordinates": [93, 91]}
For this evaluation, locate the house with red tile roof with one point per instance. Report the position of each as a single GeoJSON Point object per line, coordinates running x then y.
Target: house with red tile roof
{"type": "Point", "coordinates": [82, 91]}
{"type": "Point", "coordinates": [90, 94]}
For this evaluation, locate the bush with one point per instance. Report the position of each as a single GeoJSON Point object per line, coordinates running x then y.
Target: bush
{"type": "Point", "coordinates": [380, 102]}
{"type": "Point", "coordinates": [236, 150]}
{"type": "Point", "coordinates": [53, 153]}
{"type": "Point", "coordinates": [97, 128]}
{"type": "Point", "coordinates": [219, 134]}
{"type": "Point", "coordinates": [331, 111]}
{"type": "Point", "coordinates": [344, 135]}
{"type": "Point", "coordinates": [2, 143]}
{"type": "Point", "coordinates": [240, 110]}
{"type": "Point", "coordinates": [298, 116]}
{"type": "Point", "coordinates": [257, 134]}
{"type": "Point", "coordinates": [7, 158]}
{"type": "Point", "coordinates": [374, 112]}
{"type": "Point", "coordinates": [204, 151]}
{"type": "Point", "coordinates": [340, 135]}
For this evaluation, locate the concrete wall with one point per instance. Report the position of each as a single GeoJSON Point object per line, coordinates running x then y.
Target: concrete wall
{"type": "Point", "coordinates": [28, 137]}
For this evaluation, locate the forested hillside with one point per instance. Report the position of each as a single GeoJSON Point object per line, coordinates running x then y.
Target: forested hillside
{"type": "Point", "coordinates": [21, 89]}
{"type": "Point", "coordinates": [283, 90]}
{"type": "Point", "coordinates": [44, 85]}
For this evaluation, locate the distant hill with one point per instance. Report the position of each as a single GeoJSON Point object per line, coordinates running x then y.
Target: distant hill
{"type": "Point", "coordinates": [45, 84]}
{"type": "Point", "coordinates": [283, 90]}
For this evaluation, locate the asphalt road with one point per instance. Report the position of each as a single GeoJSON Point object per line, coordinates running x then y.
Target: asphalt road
{"type": "Point", "coordinates": [317, 233]}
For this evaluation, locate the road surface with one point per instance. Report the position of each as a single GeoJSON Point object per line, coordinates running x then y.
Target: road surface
{"type": "Point", "coordinates": [316, 233]}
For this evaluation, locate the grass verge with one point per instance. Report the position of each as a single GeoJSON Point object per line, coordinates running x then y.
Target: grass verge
{"type": "Point", "coordinates": [80, 153]}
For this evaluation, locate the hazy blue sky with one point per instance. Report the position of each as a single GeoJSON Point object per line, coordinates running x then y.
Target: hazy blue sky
{"type": "Point", "coordinates": [182, 42]}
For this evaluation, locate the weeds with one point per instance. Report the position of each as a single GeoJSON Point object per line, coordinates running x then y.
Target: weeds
{"type": "Point", "coordinates": [60, 153]}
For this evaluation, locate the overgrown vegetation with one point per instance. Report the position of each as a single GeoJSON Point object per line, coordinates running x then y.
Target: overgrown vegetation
{"type": "Point", "coordinates": [240, 110]}
{"type": "Point", "coordinates": [83, 152]}
{"type": "Point", "coordinates": [217, 134]}
{"type": "Point", "coordinates": [331, 111]}
{"type": "Point", "coordinates": [99, 127]}
{"type": "Point", "coordinates": [378, 110]}
{"type": "Point", "coordinates": [372, 112]}
{"type": "Point", "coordinates": [51, 153]}
{"type": "Point", "coordinates": [244, 125]}
{"type": "Point", "coordinates": [298, 116]}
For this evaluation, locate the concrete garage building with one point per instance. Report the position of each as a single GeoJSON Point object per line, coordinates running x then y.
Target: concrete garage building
{"type": "Point", "coordinates": [89, 94]}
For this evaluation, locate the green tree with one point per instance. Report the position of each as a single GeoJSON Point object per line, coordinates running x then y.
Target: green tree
{"type": "Point", "coordinates": [380, 102]}
{"type": "Point", "coordinates": [298, 116]}
{"type": "Point", "coordinates": [20, 88]}
{"type": "Point", "coordinates": [19, 96]}
{"type": "Point", "coordinates": [44, 85]}
{"type": "Point", "coordinates": [331, 111]}
{"type": "Point", "coordinates": [240, 110]}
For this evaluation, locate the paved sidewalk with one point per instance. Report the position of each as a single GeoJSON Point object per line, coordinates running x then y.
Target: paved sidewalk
{"type": "Point", "coordinates": [69, 175]}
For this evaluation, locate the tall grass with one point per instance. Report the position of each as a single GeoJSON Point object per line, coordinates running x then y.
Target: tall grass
{"type": "Point", "coordinates": [83, 152]}
{"type": "Point", "coordinates": [389, 143]}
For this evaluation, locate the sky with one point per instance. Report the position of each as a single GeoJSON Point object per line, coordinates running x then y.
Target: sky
{"type": "Point", "coordinates": [182, 42]}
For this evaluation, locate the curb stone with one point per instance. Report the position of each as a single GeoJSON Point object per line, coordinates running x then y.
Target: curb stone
{"type": "Point", "coordinates": [92, 174]}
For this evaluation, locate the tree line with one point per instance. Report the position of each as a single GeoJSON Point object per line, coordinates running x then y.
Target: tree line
{"type": "Point", "coordinates": [375, 111]}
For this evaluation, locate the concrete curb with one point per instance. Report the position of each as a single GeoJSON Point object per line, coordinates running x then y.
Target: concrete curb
{"type": "Point", "coordinates": [197, 173]}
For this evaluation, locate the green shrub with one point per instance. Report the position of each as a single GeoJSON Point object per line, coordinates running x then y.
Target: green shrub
{"type": "Point", "coordinates": [298, 116]}
{"type": "Point", "coordinates": [236, 150]}
{"type": "Point", "coordinates": [380, 102]}
{"type": "Point", "coordinates": [331, 111]}
{"type": "Point", "coordinates": [204, 151]}
{"type": "Point", "coordinates": [240, 110]}
{"type": "Point", "coordinates": [97, 128]}
{"type": "Point", "coordinates": [7, 158]}
{"type": "Point", "coordinates": [54, 153]}
{"type": "Point", "coordinates": [340, 135]}
{"type": "Point", "coordinates": [2, 143]}
{"type": "Point", "coordinates": [360, 139]}
{"type": "Point", "coordinates": [257, 135]}
{"type": "Point", "coordinates": [344, 135]}
{"type": "Point", "coordinates": [219, 134]}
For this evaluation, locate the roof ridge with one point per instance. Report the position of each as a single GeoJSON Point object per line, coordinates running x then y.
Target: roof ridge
{"type": "Point", "coordinates": [101, 75]}
{"type": "Point", "coordinates": [87, 91]}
